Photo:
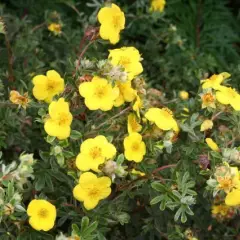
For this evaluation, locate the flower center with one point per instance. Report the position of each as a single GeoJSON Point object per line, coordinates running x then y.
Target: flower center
{"type": "Point", "coordinates": [43, 213]}
{"type": "Point", "coordinates": [50, 85]}
{"type": "Point", "coordinates": [135, 146]}
{"type": "Point", "coordinates": [93, 193]}
{"type": "Point", "coordinates": [225, 183]}
{"type": "Point", "coordinates": [208, 98]}
{"type": "Point", "coordinates": [63, 119]}
{"type": "Point", "coordinates": [100, 92]}
{"type": "Point", "coordinates": [116, 21]}
{"type": "Point", "coordinates": [96, 152]}
{"type": "Point", "coordinates": [124, 61]}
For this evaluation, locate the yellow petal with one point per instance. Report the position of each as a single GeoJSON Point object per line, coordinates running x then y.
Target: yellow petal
{"type": "Point", "coordinates": [212, 144]}
{"type": "Point", "coordinates": [82, 162]}
{"type": "Point", "coordinates": [233, 198]}
{"type": "Point", "coordinates": [90, 203]}
{"type": "Point", "coordinates": [86, 89]}
{"type": "Point", "coordinates": [86, 178]}
{"type": "Point", "coordinates": [79, 193]}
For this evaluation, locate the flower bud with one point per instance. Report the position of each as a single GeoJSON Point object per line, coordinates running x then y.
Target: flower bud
{"type": "Point", "coordinates": [203, 161]}
{"type": "Point", "coordinates": [110, 167]}
{"type": "Point", "coordinates": [8, 209]}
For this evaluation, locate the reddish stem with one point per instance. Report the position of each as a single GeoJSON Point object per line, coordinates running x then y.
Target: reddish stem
{"type": "Point", "coordinates": [164, 167]}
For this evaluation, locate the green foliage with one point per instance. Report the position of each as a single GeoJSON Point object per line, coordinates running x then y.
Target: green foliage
{"type": "Point", "coordinates": [189, 41]}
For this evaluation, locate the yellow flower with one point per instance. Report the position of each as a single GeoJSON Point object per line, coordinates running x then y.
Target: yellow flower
{"type": "Point", "coordinates": [92, 189]}
{"type": "Point", "coordinates": [93, 152]}
{"type": "Point", "coordinates": [46, 87]}
{"type": "Point", "coordinates": [17, 98]}
{"type": "Point", "coordinates": [98, 94]}
{"type": "Point", "coordinates": [208, 100]}
{"type": "Point", "coordinates": [133, 125]}
{"type": "Point", "coordinates": [129, 58]}
{"type": "Point", "coordinates": [134, 147]}
{"type": "Point", "coordinates": [212, 144]}
{"type": "Point", "coordinates": [163, 118]}
{"type": "Point", "coordinates": [42, 214]}
{"type": "Point", "coordinates": [227, 177]}
{"type": "Point", "coordinates": [207, 124]}
{"type": "Point", "coordinates": [184, 95]}
{"type": "Point", "coordinates": [136, 172]}
{"type": "Point", "coordinates": [126, 93]}
{"type": "Point", "coordinates": [56, 28]}
{"type": "Point", "coordinates": [137, 105]}
{"type": "Point", "coordinates": [157, 5]}
{"type": "Point", "coordinates": [215, 81]}
{"type": "Point", "coordinates": [227, 95]}
{"type": "Point", "coordinates": [112, 21]}
{"type": "Point", "coordinates": [233, 198]}
{"type": "Point", "coordinates": [221, 209]}
{"type": "Point", "coordinates": [58, 124]}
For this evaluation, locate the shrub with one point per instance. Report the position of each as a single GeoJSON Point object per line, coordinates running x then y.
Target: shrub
{"type": "Point", "coordinates": [89, 150]}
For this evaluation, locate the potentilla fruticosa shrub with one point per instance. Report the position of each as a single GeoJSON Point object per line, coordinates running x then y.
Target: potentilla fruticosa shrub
{"type": "Point", "coordinates": [120, 154]}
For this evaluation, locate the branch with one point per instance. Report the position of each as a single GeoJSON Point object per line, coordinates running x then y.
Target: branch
{"type": "Point", "coordinates": [115, 116]}
{"type": "Point", "coordinates": [163, 167]}
{"type": "Point", "coordinates": [38, 26]}
{"type": "Point", "coordinates": [147, 177]}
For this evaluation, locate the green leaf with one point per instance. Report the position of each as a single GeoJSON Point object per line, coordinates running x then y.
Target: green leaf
{"type": "Point", "coordinates": [156, 200]}
{"type": "Point", "coordinates": [50, 139]}
{"type": "Point", "coordinates": [10, 189]}
{"type": "Point", "coordinates": [49, 183]}
{"type": "Point", "coordinates": [44, 155]}
{"type": "Point", "coordinates": [120, 159]}
{"type": "Point", "coordinates": [40, 183]}
{"type": "Point", "coordinates": [41, 112]}
{"type": "Point", "coordinates": [177, 214]}
{"type": "Point", "coordinates": [76, 229]}
{"type": "Point", "coordinates": [84, 223]}
{"type": "Point", "coordinates": [123, 218]}
{"type": "Point", "coordinates": [183, 217]}
{"type": "Point", "coordinates": [163, 204]}
{"type": "Point", "coordinates": [158, 187]}
{"type": "Point", "coordinates": [68, 154]}
{"type": "Point", "coordinates": [90, 229]}
{"type": "Point", "coordinates": [177, 194]}
{"type": "Point", "coordinates": [75, 135]}
{"type": "Point", "coordinates": [60, 160]}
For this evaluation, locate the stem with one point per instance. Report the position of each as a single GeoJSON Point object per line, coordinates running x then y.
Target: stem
{"type": "Point", "coordinates": [82, 54]}
{"type": "Point", "coordinates": [74, 9]}
{"type": "Point", "coordinates": [147, 177]}
{"type": "Point", "coordinates": [115, 116]}
{"type": "Point", "coordinates": [216, 115]}
{"type": "Point", "coordinates": [38, 26]}
{"type": "Point", "coordinates": [163, 167]}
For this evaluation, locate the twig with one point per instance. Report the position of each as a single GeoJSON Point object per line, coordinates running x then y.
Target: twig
{"type": "Point", "coordinates": [38, 26]}
{"type": "Point", "coordinates": [74, 9]}
{"type": "Point", "coordinates": [81, 55]}
{"type": "Point", "coordinates": [216, 115]}
{"type": "Point", "coordinates": [115, 116]}
{"type": "Point", "coordinates": [233, 140]}
{"type": "Point", "coordinates": [163, 167]}
{"type": "Point", "coordinates": [146, 177]}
